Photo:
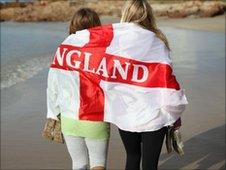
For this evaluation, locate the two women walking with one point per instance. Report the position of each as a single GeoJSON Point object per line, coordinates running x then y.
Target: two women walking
{"type": "Point", "coordinates": [141, 106]}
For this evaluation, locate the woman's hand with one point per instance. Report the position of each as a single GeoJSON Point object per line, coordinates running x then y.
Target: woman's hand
{"type": "Point", "coordinates": [177, 124]}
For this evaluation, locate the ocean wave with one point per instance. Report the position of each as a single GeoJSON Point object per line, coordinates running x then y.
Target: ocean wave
{"type": "Point", "coordinates": [16, 72]}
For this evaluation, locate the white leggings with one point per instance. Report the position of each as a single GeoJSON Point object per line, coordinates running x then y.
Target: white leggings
{"type": "Point", "coordinates": [85, 151]}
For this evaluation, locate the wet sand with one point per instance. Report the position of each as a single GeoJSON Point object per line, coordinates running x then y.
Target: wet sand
{"type": "Point", "coordinates": [216, 24]}
{"type": "Point", "coordinates": [199, 61]}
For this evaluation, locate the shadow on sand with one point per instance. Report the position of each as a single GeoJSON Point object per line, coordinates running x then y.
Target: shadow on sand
{"type": "Point", "coordinates": [204, 151]}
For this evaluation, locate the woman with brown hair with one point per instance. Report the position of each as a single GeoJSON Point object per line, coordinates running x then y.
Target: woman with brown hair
{"type": "Point", "coordinates": [87, 141]}
{"type": "Point", "coordinates": [140, 13]}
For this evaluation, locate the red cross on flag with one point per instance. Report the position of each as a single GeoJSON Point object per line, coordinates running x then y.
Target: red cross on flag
{"type": "Point", "coordinates": [118, 73]}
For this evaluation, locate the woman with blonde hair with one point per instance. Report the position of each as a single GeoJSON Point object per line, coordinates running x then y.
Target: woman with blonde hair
{"type": "Point", "coordinates": [140, 13]}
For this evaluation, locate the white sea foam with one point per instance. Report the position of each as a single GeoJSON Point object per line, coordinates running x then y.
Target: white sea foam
{"type": "Point", "coordinates": [16, 72]}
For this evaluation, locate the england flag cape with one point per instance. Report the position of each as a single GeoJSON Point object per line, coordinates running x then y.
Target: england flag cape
{"type": "Point", "coordinates": [118, 73]}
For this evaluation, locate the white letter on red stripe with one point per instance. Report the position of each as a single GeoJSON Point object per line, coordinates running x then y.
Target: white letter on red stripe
{"type": "Point", "coordinates": [59, 57]}
{"type": "Point", "coordinates": [135, 73]}
{"type": "Point", "coordinates": [118, 66]}
{"type": "Point", "coordinates": [86, 63]}
{"type": "Point", "coordinates": [69, 57]}
{"type": "Point", "coordinates": [103, 67]}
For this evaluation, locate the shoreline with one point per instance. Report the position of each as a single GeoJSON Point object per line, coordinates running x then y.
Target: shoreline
{"type": "Point", "coordinates": [63, 10]}
{"type": "Point", "coordinates": [216, 24]}
{"type": "Point", "coordinates": [211, 24]}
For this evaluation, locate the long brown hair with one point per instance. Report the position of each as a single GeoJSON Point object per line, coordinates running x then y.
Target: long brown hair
{"type": "Point", "coordinates": [140, 12]}
{"type": "Point", "coordinates": [84, 18]}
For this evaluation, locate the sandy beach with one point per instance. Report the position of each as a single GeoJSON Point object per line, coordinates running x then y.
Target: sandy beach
{"type": "Point", "coordinates": [198, 47]}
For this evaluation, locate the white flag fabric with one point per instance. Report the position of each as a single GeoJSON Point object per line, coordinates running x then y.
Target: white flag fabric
{"type": "Point", "coordinates": [118, 73]}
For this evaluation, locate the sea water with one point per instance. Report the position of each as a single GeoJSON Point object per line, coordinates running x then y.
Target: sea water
{"type": "Point", "coordinates": [27, 48]}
